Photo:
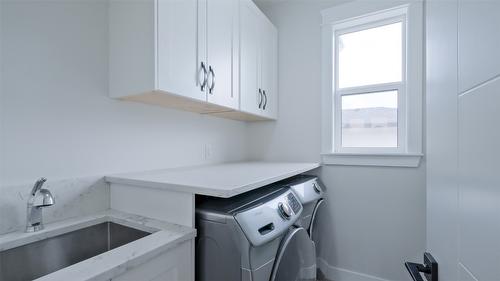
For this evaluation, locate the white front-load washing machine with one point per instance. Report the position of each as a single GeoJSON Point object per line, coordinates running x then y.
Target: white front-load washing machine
{"type": "Point", "coordinates": [252, 237]}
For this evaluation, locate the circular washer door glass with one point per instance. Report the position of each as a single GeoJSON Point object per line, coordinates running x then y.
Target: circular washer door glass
{"type": "Point", "coordinates": [296, 259]}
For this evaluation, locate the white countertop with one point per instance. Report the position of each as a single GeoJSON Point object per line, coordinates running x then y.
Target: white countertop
{"type": "Point", "coordinates": [112, 263]}
{"type": "Point", "coordinates": [219, 180]}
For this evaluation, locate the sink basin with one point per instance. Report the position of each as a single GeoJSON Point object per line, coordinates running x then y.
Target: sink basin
{"type": "Point", "coordinates": [30, 261]}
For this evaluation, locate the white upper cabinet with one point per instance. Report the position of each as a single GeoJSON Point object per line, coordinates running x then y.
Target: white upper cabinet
{"type": "Point", "coordinates": [186, 54]}
{"type": "Point", "coordinates": [178, 60]}
{"type": "Point", "coordinates": [250, 97]}
{"type": "Point", "coordinates": [221, 36]}
{"type": "Point", "coordinates": [258, 62]}
{"type": "Point", "coordinates": [269, 69]}
{"type": "Point", "coordinates": [174, 53]}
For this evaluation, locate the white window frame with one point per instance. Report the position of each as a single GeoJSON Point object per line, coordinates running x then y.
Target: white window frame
{"type": "Point", "coordinates": [361, 15]}
{"type": "Point", "coordinates": [400, 87]}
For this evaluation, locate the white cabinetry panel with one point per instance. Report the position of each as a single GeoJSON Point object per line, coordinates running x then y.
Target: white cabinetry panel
{"type": "Point", "coordinates": [479, 192]}
{"type": "Point", "coordinates": [478, 42]}
{"type": "Point", "coordinates": [463, 204]}
{"type": "Point", "coordinates": [479, 197]}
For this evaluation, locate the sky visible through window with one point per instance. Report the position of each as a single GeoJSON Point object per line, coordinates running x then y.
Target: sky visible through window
{"type": "Point", "coordinates": [370, 56]}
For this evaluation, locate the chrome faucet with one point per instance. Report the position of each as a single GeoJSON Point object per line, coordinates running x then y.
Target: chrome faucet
{"type": "Point", "coordinates": [39, 198]}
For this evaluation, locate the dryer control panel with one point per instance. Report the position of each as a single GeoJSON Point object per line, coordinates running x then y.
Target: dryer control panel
{"type": "Point", "coordinates": [307, 189]}
{"type": "Point", "coordinates": [270, 219]}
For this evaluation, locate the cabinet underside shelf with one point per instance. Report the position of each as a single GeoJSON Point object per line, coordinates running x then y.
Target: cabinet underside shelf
{"type": "Point", "coordinates": [164, 99]}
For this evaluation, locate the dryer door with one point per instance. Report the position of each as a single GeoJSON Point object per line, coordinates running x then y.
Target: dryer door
{"type": "Point", "coordinates": [296, 259]}
{"type": "Point", "coordinates": [313, 228]}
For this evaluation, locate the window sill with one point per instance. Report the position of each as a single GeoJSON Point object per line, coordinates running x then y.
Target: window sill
{"type": "Point", "coordinates": [411, 160]}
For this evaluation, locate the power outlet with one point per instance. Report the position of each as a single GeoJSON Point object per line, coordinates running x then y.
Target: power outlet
{"type": "Point", "coordinates": [207, 151]}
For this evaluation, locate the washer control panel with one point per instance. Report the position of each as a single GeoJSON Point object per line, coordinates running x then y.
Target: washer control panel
{"type": "Point", "coordinates": [270, 219]}
{"type": "Point", "coordinates": [284, 210]}
{"type": "Point", "coordinates": [293, 202]}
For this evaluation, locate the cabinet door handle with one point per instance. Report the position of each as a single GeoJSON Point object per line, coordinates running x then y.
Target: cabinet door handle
{"type": "Point", "coordinates": [260, 98]}
{"type": "Point", "coordinates": [211, 71]}
{"type": "Point", "coordinates": [265, 103]}
{"type": "Point", "coordinates": [205, 77]}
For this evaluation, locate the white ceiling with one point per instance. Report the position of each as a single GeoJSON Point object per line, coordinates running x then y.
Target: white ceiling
{"type": "Point", "coordinates": [270, 1]}
{"type": "Point", "coordinates": [262, 3]}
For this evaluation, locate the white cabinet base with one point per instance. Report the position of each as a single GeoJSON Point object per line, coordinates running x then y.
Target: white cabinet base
{"type": "Point", "coordinates": [174, 265]}
{"type": "Point", "coordinates": [165, 205]}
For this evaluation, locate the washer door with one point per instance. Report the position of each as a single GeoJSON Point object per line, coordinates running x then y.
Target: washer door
{"type": "Point", "coordinates": [296, 259]}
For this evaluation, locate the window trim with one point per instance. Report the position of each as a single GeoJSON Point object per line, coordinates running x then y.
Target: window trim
{"type": "Point", "coordinates": [361, 15]}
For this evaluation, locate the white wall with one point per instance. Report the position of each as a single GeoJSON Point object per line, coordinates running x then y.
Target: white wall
{"type": "Point", "coordinates": [376, 218]}
{"type": "Point", "coordinates": [1, 83]}
{"type": "Point", "coordinates": [59, 122]}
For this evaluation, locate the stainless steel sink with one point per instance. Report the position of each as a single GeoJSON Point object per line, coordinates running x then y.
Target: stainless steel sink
{"type": "Point", "coordinates": [40, 258]}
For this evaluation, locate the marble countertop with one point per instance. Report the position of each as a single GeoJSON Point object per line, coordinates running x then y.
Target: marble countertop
{"type": "Point", "coordinates": [110, 264]}
{"type": "Point", "coordinates": [219, 180]}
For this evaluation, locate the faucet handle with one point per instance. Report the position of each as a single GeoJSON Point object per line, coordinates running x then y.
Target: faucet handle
{"type": "Point", "coordinates": [44, 198]}
{"type": "Point", "coordinates": [38, 184]}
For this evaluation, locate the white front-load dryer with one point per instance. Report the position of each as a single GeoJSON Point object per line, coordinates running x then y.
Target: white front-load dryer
{"type": "Point", "coordinates": [310, 193]}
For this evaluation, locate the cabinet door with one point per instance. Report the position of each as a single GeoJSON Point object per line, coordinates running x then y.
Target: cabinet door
{"type": "Point", "coordinates": [221, 35]}
{"type": "Point", "coordinates": [269, 69]}
{"type": "Point", "coordinates": [178, 60]}
{"type": "Point", "coordinates": [249, 58]}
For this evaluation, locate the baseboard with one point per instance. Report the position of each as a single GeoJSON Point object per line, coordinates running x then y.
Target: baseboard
{"type": "Point", "coordinates": [333, 273]}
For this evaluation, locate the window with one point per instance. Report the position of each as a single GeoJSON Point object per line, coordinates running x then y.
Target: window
{"type": "Point", "coordinates": [369, 81]}
{"type": "Point", "coordinates": [372, 60]}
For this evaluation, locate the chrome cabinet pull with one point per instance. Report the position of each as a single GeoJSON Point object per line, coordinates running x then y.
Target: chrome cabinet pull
{"type": "Point", "coordinates": [265, 103]}
{"type": "Point", "coordinates": [260, 98]}
{"type": "Point", "coordinates": [211, 71]}
{"type": "Point", "coordinates": [205, 77]}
